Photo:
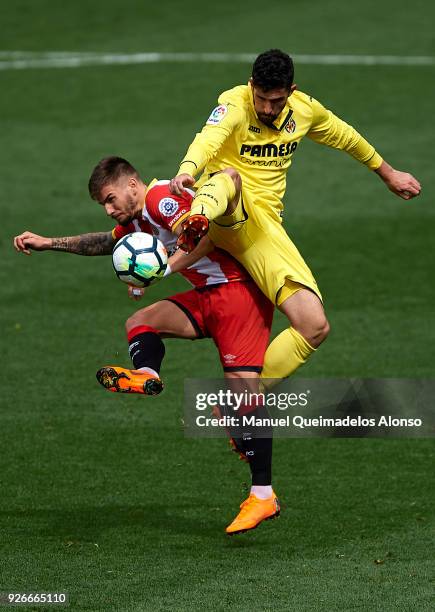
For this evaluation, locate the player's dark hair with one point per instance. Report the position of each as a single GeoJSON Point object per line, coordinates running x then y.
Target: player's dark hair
{"type": "Point", "coordinates": [109, 170]}
{"type": "Point", "coordinates": [273, 69]}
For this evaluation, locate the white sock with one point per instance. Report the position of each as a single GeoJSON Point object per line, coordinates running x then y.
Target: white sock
{"type": "Point", "coordinates": [149, 371]}
{"type": "Point", "coordinates": [262, 492]}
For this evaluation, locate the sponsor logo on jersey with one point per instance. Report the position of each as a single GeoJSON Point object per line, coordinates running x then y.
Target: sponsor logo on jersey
{"type": "Point", "coordinates": [168, 206]}
{"type": "Point", "coordinates": [266, 163]}
{"type": "Point", "coordinates": [253, 128]}
{"type": "Point", "coordinates": [290, 126]}
{"type": "Point", "coordinates": [177, 216]}
{"type": "Point", "coordinates": [268, 150]}
{"type": "Point", "coordinates": [217, 114]}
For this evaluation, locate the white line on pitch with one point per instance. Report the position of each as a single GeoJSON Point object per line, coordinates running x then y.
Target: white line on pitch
{"type": "Point", "coordinates": [21, 60]}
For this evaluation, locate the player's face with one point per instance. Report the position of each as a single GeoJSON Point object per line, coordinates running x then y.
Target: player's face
{"type": "Point", "coordinates": [269, 104]}
{"type": "Point", "coordinates": [120, 200]}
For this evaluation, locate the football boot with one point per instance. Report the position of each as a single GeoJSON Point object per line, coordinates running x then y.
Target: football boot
{"type": "Point", "coordinates": [121, 380]}
{"type": "Point", "coordinates": [192, 230]}
{"type": "Point", "coordinates": [252, 512]}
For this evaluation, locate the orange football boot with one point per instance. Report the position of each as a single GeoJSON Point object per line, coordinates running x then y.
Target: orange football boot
{"type": "Point", "coordinates": [253, 512]}
{"type": "Point", "coordinates": [121, 380]}
{"type": "Point", "coordinates": [192, 230]}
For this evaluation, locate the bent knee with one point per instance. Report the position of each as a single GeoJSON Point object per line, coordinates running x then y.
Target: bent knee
{"type": "Point", "coordinates": [315, 331]}
{"type": "Point", "coordinates": [323, 331]}
{"type": "Point", "coordinates": [237, 179]}
{"type": "Point", "coordinates": [141, 317]}
{"type": "Point", "coordinates": [320, 332]}
{"type": "Point", "coordinates": [131, 323]}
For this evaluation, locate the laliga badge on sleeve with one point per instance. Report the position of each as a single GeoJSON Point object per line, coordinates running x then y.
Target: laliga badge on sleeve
{"type": "Point", "coordinates": [168, 206]}
{"type": "Point", "coordinates": [217, 114]}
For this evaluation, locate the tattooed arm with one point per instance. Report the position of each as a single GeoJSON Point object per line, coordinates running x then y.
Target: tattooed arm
{"type": "Point", "coordinates": [99, 243]}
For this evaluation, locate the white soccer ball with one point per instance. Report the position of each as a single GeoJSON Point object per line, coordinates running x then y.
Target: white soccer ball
{"type": "Point", "coordinates": [139, 259]}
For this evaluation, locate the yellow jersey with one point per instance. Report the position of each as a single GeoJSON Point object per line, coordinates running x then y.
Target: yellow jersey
{"type": "Point", "coordinates": [233, 136]}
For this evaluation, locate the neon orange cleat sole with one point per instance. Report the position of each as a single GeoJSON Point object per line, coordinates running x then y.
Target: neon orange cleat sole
{"type": "Point", "coordinates": [192, 230]}
{"type": "Point", "coordinates": [121, 380]}
{"type": "Point", "coordinates": [254, 511]}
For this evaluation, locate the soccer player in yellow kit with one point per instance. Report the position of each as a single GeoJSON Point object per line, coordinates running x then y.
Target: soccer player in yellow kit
{"type": "Point", "coordinates": [244, 152]}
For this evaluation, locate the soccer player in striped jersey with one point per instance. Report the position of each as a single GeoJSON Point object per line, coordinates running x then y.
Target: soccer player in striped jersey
{"type": "Point", "coordinates": [225, 305]}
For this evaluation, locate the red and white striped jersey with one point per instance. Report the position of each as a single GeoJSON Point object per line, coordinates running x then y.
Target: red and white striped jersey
{"type": "Point", "coordinates": [162, 213]}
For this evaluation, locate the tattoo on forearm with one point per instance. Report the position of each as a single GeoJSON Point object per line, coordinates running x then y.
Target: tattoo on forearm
{"type": "Point", "coordinates": [100, 243]}
{"type": "Point", "coordinates": [60, 244]}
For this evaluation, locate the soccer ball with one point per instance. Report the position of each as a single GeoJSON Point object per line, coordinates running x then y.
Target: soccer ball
{"type": "Point", "coordinates": [139, 259]}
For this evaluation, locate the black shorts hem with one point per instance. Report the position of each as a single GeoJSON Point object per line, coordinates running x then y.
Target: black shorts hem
{"type": "Point", "coordinates": [257, 369]}
{"type": "Point", "coordinates": [189, 315]}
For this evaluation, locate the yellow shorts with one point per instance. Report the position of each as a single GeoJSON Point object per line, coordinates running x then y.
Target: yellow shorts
{"type": "Point", "coordinates": [255, 236]}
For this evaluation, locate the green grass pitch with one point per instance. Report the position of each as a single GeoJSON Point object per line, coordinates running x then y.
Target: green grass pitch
{"type": "Point", "coordinates": [101, 495]}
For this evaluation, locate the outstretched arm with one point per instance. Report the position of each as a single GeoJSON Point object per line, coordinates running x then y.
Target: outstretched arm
{"type": "Point", "coordinates": [98, 243]}
{"type": "Point", "coordinates": [332, 131]}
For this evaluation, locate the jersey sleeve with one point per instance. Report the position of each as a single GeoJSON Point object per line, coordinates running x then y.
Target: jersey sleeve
{"type": "Point", "coordinates": [166, 209]}
{"type": "Point", "coordinates": [330, 130]}
{"type": "Point", "coordinates": [138, 225]}
{"type": "Point", "coordinates": [119, 231]}
{"type": "Point", "coordinates": [222, 121]}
